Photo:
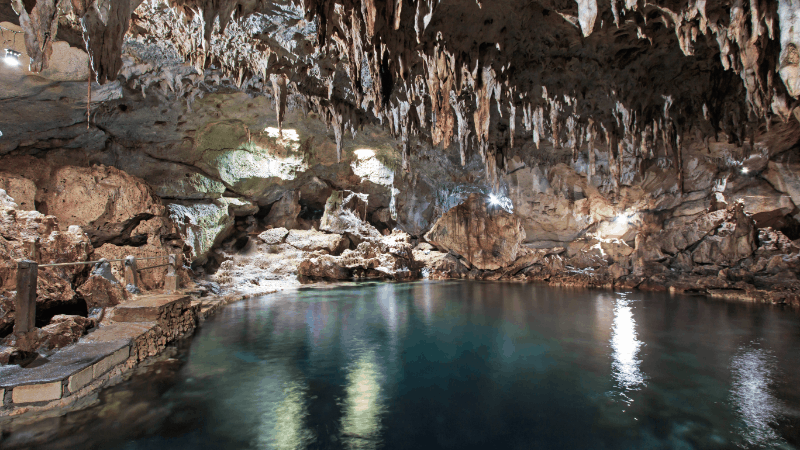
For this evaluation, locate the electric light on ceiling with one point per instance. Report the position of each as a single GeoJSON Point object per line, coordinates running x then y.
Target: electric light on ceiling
{"type": "Point", "coordinates": [12, 57]}
{"type": "Point", "coordinates": [493, 199]}
{"type": "Point", "coordinates": [745, 170]}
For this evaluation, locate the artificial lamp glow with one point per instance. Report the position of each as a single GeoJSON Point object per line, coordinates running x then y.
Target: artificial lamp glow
{"type": "Point", "coordinates": [12, 57]}
{"type": "Point", "coordinates": [622, 218]}
{"type": "Point", "coordinates": [493, 199]}
{"type": "Point", "coordinates": [745, 170]}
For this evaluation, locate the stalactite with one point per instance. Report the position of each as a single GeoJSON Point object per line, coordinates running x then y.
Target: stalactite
{"type": "Point", "coordinates": [512, 121]}
{"type": "Point", "coordinates": [40, 21]}
{"type": "Point", "coordinates": [279, 91]}
{"type": "Point", "coordinates": [386, 69]}
{"type": "Point", "coordinates": [460, 108]}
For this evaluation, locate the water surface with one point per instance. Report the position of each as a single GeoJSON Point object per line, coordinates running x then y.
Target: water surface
{"type": "Point", "coordinates": [457, 365]}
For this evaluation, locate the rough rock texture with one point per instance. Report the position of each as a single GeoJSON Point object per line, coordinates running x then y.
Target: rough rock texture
{"type": "Point", "coordinates": [313, 240]}
{"type": "Point", "coordinates": [101, 292]}
{"type": "Point", "coordinates": [274, 236]}
{"type": "Point", "coordinates": [390, 258]}
{"type": "Point", "coordinates": [62, 331]}
{"type": "Point", "coordinates": [284, 212]}
{"type": "Point", "coordinates": [488, 237]}
{"type": "Point", "coordinates": [18, 230]}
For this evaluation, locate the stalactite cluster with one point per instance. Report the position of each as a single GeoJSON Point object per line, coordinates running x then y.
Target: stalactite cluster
{"type": "Point", "coordinates": [627, 77]}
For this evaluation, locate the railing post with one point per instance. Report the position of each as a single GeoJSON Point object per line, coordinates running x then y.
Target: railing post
{"type": "Point", "coordinates": [34, 250]}
{"type": "Point", "coordinates": [171, 280]}
{"type": "Point", "coordinates": [25, 302]}
{"type": "Point", "coordinates": [131, 274]}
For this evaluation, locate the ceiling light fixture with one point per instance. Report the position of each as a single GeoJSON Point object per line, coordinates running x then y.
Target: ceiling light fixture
{"type": "Point", "coordinates": [12, 57]}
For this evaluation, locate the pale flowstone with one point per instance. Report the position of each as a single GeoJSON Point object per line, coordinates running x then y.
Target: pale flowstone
{"type": "Point", "coordinates": [36, 392]}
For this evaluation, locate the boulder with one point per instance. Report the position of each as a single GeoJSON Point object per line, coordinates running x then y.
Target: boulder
{"type": "Point", "coordinates": [313, 240]}
{"type": "Point", "coordinates": [392, 259]}
{"type": "Point", "coordinates": [100, 291]}
{"type": "Point", "coordinates": [734, 240]}
{"type": "Point", "coordinates": [273, 236]}
{"type": "Point", "coordinates": [489, 238]}
{"type": "Point", "coordinates": [62, 331]}
{"type": "Point", "coordinates": [284, 212]}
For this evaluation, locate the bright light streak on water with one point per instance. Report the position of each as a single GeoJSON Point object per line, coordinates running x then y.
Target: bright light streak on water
{"type": "Point", "coordinates": [290, 432]}
{"type": "Point", "coordinates": [362, 404]}
{"type": "Point", "coordinates": [626, 347]}
{"type": "Point", "coordinates": [753, 369]}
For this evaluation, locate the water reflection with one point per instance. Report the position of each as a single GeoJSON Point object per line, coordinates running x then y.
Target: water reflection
{"type": "Point", "coordinates": [362, 404]}
{"type": "Point", "coordinates": [752, 369]}
{"type": "Point", "coordinates": [290, 414]}
{"type": "Point", "coordinates": [626, 347]}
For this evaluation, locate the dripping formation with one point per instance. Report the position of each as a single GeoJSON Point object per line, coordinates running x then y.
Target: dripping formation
{"type": "Point", "coordinates": [411, 67]}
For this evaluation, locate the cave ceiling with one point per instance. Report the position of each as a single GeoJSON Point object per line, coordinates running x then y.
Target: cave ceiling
{"type": "Point", "coordinates": [648, 78]}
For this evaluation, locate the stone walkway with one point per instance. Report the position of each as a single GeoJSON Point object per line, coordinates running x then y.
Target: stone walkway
{"type": "Point", "coordinates": [137, 329]}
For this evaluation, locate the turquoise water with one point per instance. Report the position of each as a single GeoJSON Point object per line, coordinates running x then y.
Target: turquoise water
{"type": "Point", "coordinates": [457, 365]}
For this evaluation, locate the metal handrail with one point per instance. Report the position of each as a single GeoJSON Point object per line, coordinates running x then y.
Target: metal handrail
{"type": "Point", "coordinates": [96, 262]}
{"type": "Point", "coordinates": [27, 277]}
{"type": "Point", "coordinates": [153, 267]}
{"type": "Point", "coordinates": [79, 263]}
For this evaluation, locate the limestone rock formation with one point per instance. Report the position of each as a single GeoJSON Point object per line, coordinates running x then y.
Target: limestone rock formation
{"type": "Point", "coordinates": [284, 212]}
{"type": "Point", "coordinates": [102, 291]}
{"type": "Point", "coordinates": [19, 230]}
{"type": "Point", "coordinates": [62, 331]}
{"type": "Point", "coordinates": [273, 236]}
{"type": "Point", "coordinates": [637, 144]}
{"type": "Point", "coordinates": [487, 237]}
{"type": "Point", "coordinates": [392, 258]}
{"type": "Point", "coordinates": [313, 240]}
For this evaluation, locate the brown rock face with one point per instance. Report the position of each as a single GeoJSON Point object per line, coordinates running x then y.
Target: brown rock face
{"type": "Point", "coordinates": [101, 292]}
{"type": "Point", "coordinates": [18, 230]}
{"type": "Point", "coordinates": [733, 241]}
{"type": "Point", "coordinates": [62, 331]}
{"type": "Point", "coordinates": [106, 202]}
{"type": "Point", "coordinates": [489, 238]}
{"type": "Point", "coordinates": [285, 211]}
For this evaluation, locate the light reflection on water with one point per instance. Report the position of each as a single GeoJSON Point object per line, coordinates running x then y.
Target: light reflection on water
{"type": "Point", "coordinates": [457, 365]}
{"type": "Point", "coordinates": [626, 345]}
{"type": "Point", "coordinates": [363, 404]}
{"type": "Point", "coordinates": [753, 369]}
{"type": "Point", "coordinates": [289, 415]}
